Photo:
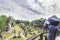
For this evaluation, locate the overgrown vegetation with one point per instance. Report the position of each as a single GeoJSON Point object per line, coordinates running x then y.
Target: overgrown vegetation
{"type": "Point", "coordinates": [33, 27]}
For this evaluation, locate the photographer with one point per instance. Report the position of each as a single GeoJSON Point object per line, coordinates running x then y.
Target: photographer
{"type": "Point", "coordinates": [52, 25]}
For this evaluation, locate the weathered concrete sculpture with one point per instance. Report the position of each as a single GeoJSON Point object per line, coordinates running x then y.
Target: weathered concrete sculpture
{"type": "Point", "coordinates": [8, 24]}
{"type": "Point", "coordinates": [14, 34]}
{"type": "Point", "coordinates": [0, 36]}
{"type": "Point", "coordinates": [19, 36]}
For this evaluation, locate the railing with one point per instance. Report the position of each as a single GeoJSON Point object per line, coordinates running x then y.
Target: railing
{"type": "Point", "coordinates": [41, 36]}
{"type": "Point", "coordinates": [38, 35]}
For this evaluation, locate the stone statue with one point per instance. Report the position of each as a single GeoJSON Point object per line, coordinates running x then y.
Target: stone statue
{"type": "Point", "coordinates": [0, 36]}
{"type": "Point", "coordinates": [8, 24]}
{"type": "Point", "coordinates": [25, 31]}
{"type": "Point", "coordinates": [14, 34]}
{"type": "Point", "coordinates": [19, 36]}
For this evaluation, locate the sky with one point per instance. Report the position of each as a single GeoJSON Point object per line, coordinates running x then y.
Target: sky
{"type": "Point", "coordinates": [30, 9]}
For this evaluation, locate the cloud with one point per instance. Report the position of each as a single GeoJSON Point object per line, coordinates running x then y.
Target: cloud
{"type": "Point", "coordinates": [30, 9]}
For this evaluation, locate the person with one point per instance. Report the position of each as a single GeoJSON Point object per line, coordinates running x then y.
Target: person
{"type": "Point", "coordinates": [52, 25]}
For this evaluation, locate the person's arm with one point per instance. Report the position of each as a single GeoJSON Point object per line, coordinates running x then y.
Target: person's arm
{"type": "Point", "coordinates": [45, 26]}
{"type": "Point", "coordinates": [46, 23]}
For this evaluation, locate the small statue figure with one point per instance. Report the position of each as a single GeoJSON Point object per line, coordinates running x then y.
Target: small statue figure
{"type": "Point", "coordinates": [0, 36]}
{"type": "Point", "coordinates": [19, 36]}
{"type": "Point", "coordinates": [14, 34]}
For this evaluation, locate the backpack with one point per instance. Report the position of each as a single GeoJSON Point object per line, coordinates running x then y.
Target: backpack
{"type": "Point", "coordinates": [53, 22]}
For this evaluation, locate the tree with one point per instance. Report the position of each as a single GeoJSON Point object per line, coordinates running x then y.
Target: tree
{"type": "Point", "coordinates": [18, 21]}
{"type": "Point", "coordinates": [38, 22]}
{"type": "Point", "coordinates": [12, 21]}
{"type": "Point", "coordinates": [26, 22]}
{"type": "Point", "coordinates": [54, 16]}
{"type": "Point", "coordinates": [3, 23]}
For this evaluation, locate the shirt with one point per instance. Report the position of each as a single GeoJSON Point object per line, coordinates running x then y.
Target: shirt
{"type": "Point", "coordinates": [52, 32]}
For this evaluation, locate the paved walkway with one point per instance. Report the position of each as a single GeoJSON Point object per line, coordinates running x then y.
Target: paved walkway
{"type": "Point", "coordinates": [58, 38]}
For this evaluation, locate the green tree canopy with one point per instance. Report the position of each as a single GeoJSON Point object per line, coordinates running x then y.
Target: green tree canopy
{"type": "Point", "coordinates": [3, 22]}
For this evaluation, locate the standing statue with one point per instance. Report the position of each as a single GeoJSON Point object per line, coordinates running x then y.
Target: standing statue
{"type": "Point", "coordinates": [0, 36]}
{"type": "Point", "coordinates": [19, 36]}
{"type": "Point", "coordinates": [14, 34]}
{"type": "Point", "coordinates": [25, 31]}
{"type": "Point", "coordinates": [8, 24]}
